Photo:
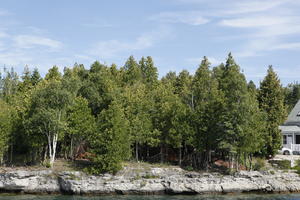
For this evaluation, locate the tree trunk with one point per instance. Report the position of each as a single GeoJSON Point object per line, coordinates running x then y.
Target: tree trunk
{"type": "Point", "coordinates": [147, 152]}
{"type": "Point", "coordinates": [136, 151]}
{"type": "Point", "coordinates": [45, 153]}
{"type": "Point", "coordinates": [179, 163]}
{"type": "Point", "coordinates": [161, 154]}
{"type": "Point", "coordinates": [250, 161]}
{"type": "Point", "coordinates": [71, 149]}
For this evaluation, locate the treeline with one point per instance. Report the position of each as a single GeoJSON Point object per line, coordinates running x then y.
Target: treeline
{"type": "Point", "coordinates": [110, 114]}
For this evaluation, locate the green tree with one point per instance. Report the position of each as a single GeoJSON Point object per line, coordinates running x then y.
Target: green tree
{"type": "Point", "coordinates": [208, 112]}
{"type": "Point", "coordinates": [271, 102]}
{"type": "Point", "coordinates": [137, 106]}
{"type": "Point", "coordinates": [47, 116]}
{"type": "Point", "coordinates": [111, 143]}
{"type": "Point", "coordinates": [53, 74]}
{"type": "Point", "coordinates": [35, 77]}
{"type": "Point", "coordinates": [149, 71]}
{"type": "Point", "coordinates": [6, 127]}
{"type": "Point", "coordinates": [81, 124]}
{"type": "Point", "coordinates": [234, 86]}
{"type": "Point", "coordinates": [133, 72]}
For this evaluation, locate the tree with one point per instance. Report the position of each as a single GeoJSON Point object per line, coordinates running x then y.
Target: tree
{"type": "Point", "coordinates": [234, 86]}
{"type": "Point", "coordinates": [111, 143]}
{"type": "Point", "coordinates": [53, 74]}
{"type": "Point", "coordinates": [271, 102]}
{"type": "Point", "coordinates": [208, 112]}
{"type": "Point", "coordinates": [47, 116]}
{"type": "Point", "coordinates": [254, 133]}
{"type": "Point", "coordinates": [169, 118]}
{"type": "Point", "coordinates": [81, 124]}
{"type": "Point", "coordinates": [137, 106]}
{"type": "Point", "coordinates": [292, 95]}
{"type": "Point", "coordinates": [149, 71]}
{"type": "Point", "coordinates": [35, 77]}
{"type": "Point", "coordinates": [6, 127]}
{"type": "Point", "coordinates": [133, 72]}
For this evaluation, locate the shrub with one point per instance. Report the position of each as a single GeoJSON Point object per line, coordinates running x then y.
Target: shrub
{"type": "Point", "coordinates": [259, 164]}
{"type": "Point", "coordinates": [281, 164]}
{"type": "Point", "coordinates": [189, 168]}
{"type": "Point", "coordinates": [297, 167]}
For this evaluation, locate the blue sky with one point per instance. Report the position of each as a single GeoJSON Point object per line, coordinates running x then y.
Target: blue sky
{"type": "Point", "coordinates": [176, 33]}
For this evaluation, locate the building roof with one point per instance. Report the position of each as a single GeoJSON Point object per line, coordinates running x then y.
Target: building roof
{"type": "Point", "coordinates": [286, 129]}
{"type": "Point", "coordinates": [294, 116]}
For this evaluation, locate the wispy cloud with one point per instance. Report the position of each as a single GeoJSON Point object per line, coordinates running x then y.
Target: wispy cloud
{"type": "Point", "coordinates": [30, 41]}
{"type": "Point", "coordinates": [111, 48]}
{"type": "Point", "coordinates": [254, 21]}
{"type": "Point", "coordinates": [246, 7]}
{"type": "Point", "coordinates": [190, 18]}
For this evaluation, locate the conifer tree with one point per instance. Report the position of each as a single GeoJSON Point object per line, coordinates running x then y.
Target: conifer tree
{"type": "Point", "coordinates": [208, 112]}
{"type": "Point", "coordinates": [6, 127]}
{"type": "Point", "coordinates": [149, 71]}
{"type": "Point", "coordinates": [271, 101]}
{"type": "Point", "coordinates": [234, 86]}
{"type": "Point", "coordinates": [111, 143]}
{"type": "Point", "coordinates": [133, 72]}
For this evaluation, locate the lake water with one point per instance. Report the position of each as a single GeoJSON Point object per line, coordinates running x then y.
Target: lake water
{"type": "Point", "coordinates": [166, 197]}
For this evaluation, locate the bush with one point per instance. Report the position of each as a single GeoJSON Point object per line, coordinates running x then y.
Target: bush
{"type": "Point", "coordinates": [259, 164]}
{"type": "Point", "coordinates": [46, 164]}
{"type": "Point", "coordinates": [297, 167]}
{"type": "Point", "coordinates": [189, 168]}
{"type": "Point", "coordinates": [281, 164]}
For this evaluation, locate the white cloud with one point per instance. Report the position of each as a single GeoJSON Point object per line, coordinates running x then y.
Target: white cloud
{"type": "Point", "coordinates": [190, 18]}
{"type": "Point", "coordinates": [30, 41]}
{"type": "Point", "coordinates": [254, 21]}
{"type": "Point", "coordinates": [287, 46]}
{"type": "Point", "coordinates": [110, 48]}
{"type": "Point", "coordinates": [243, 7]}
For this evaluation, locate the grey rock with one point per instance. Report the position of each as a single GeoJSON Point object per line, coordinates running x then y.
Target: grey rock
{"type": "Point", "coordinates": [154, 181]}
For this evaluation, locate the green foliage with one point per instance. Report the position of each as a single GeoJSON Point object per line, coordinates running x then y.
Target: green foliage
{"type": "Point", "coordinates": [208, 110]}
{"type": "Point", "coordinates": [271, 102]}
{"type": "Point", "coordinates": [81, 123]}
{"type": "Point", "coordinates": [110, 113]}
{"type": "Point", "coordinates": [259, 164]}
{"type": "Point", "coordinates": [281, 164]}
{"type": "Point", "coordinates": [6, 127]}
{"type": "Point", "coordinates": [111, 143]}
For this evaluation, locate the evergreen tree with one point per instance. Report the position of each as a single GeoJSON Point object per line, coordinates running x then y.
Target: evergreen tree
{"type": "Point", "coordinates": [6, 127]}
{"type": "Point", "coordinates": [81, 124]}
{"type": "Point", "coordinates": [111, 143]}
{"type": "Point", "coordinates": [133, 72]}
{"type": "Point", "coordinates": [208, 112]}
{"type": "Point", "coordinates": [137, 107]}
{"type": "Point", "coordinates": [35, 77]}
{"type": "Point", "coordinates": [271, 101]}
{"type": "Point", "coordinates": [53, 74]}
{"type": "Point", "coordinates": [234, 86]}
{"type": "Point", "coordinates": [149, 71]}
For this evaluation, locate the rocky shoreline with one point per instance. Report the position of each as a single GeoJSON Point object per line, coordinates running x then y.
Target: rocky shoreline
{"type": "Point", "coordinates": [151, 181]}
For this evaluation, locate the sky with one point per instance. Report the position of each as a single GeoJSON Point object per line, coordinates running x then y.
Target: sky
{"type": "Point", "coordinates": [176, 33]}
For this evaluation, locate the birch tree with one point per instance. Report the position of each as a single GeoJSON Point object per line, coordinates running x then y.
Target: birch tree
{"type": "Point", "coordinates": [47, 117]}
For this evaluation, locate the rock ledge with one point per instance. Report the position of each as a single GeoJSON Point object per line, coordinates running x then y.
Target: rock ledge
{"type": "Point", "coordinates": [154, 181]}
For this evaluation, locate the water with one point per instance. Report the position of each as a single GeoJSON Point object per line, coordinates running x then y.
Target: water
{"type": "Point", "coordinates": [166, 197]}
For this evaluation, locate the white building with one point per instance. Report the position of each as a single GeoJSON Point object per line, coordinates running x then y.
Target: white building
{"type": "Point", "coordinates": [291, 131]}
